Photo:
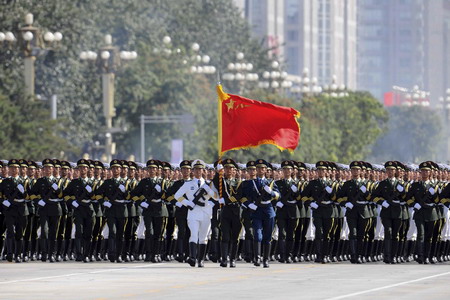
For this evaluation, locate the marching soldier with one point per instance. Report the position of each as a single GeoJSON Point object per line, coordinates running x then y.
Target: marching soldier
{"type": "Point", "coordinates": [48, 195]}
{"type": "Point", "coordinates": [30, 235]}
{"type": "Point", "coordinates": [13, 193]}
{"type": "Point", "coordinates": [388, 194]}
{"type": "Point", "coordinates": [194, 194]}
{"type": "Point", "coordinates": [354, 196]}
{"type": "Point", "coordinates": [99, 221]}
{"type": "Point", "coordinates": [288, 213]}
{"type": "Point", "coordinates": [169, 242]}
{"type": "Point", "coordinates": [422, 196]}
{"type": "Point", "coordinates": [230, 216]}
{"type": "Point", "coordinates": [113, 195]}
{"type": "Point", "coordinates": [319, 195]}
{"type": "Point", "coordinates": [147, 195]}
{"type": "Point", "coordinates": [78, 195]}
{"type": "Point", "coordinates": [258, 194]}
{"type": "Point", "coordinates": [64, 167]}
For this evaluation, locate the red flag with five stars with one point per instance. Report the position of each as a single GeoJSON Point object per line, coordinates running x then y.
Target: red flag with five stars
{"type": "Point", "coordinates": [246, 123]}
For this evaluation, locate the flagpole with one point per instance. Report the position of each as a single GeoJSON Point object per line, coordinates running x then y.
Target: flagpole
{"type": "Point", "coordinates": [219, 135]}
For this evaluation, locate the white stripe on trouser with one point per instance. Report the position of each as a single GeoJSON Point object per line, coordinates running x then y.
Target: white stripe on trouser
{"type": "Point", "coordinates": [199, 230]}
{"type": "Point", "coordinates": [411, 235]}
{"type": "Point", "coordinates": [74, 229]}
{"type": "Point", "coordinates": [445, 234]}
{"type": "Point", "coordinates": [345, 230]}
{"type": "Point", "coordinates": [311, 232]}
{"type": "Point", "coordinates": [275, 233]}
{"type": "Point", "coordinates": [140, 230]}
{"type": "Point", "coordinates": [105, 231]}
{"type": "Point", "coordinates": [175, 233]}
{"type": "Point", "coordinates": [242, 233]}
{"type": "Point", "coordinates": [38, 232]}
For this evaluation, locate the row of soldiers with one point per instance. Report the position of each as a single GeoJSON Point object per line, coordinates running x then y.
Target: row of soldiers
{"type": "Point", "coordinates": [124, 211]}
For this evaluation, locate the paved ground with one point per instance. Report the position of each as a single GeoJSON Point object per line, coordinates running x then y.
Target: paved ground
{"type": "Point", "coordinates": [70, 280]}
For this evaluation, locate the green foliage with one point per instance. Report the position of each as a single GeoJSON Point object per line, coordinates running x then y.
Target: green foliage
{"type": "Point", "coordinates": [414, 135]}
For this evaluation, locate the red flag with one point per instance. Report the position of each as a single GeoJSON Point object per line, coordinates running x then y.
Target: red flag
{"type": "Point", "coordinates": [246, 123]}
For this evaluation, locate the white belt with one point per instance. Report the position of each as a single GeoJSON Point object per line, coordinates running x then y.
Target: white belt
{"type": "Point", "coordinates": [266, 202]}
{"type": "Point", "coordinates": [86, 201]}
{"type": "Point", "coordinates": [396, 201]}
{"type": "Point", "coordinates": [19, 200]}
{"type": "Point", "coordinates": [326, 202]}
{"type": "Point", "coordinates": [120, 201]}
{"type": "Point", "coordinates": [292, 201]}
{"type": "Point", "coordinates": [156, 200]}
{"type": "Point", "coordinates": [429, 204]}
{"type": "Point", "coordinates": [362, 202]}
{"type": "Point", "coordinates": [402, 203]}
{"type": "Point", "coordinates": [55, 200]}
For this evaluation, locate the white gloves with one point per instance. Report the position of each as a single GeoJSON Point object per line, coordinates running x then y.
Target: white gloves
{"type": "Point", "coordinates": [122, 188]}
{"type": "Point", "coordinates": [186, 202]}
{"type": "Point", "coordinates": [400, 188]}
{"type": "Point", "coordinates": [349, 205]}
{"type": "Point", "coordinates": [211, 203]}
{"type": "Point", "coordinates": [55, 186]}
{"type": "Point", "coordinates": [363, 188]}
{"type": "Point", "coordinates": [178, 204]}
{"type": "Point", "coordinates": [158, 188]}
{"type": "Point", "coordinates": [88, 188]}
{"type": "Point", "coordinates": [280, 204]}
{"type": "Point", "coordinates": [75, 204]}
{"type": "Point", "coordinates": [328, 189]}
{"type": "Point", "coordinates": [268, 189]}
{"type": "Point", "coordinates": [252, 206]}
{"type": "Point", "coordinates": [107, 204]}
{"type": "Point", "coordinates": [417, 206]}
{"type": "Point", "coordinates": [314, 205]}
{"type": "Point", "coordinates": [294, 188]}
{"type": "Point", "coordinates": [20, 188]}
{"type": "Point", "coordinates": [431, 190]}
{"type": "Point", "coordinates": [41, 203]}
{"type": "Point", "coordinates": [385, 204]}
{"type": "Point", "coordinates": [6, 203]}
{"type": "Point", "coordinates": [222, 201]}
{"type": "Point", "coordinates": [144, 205]}
{"type": "Point", "coordinates": [208, 190]}
{"type": "Point", "coordinates": [219, 167]}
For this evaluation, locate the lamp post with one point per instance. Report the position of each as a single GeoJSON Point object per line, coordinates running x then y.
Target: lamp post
{"type": "Point", "coordinates": [108, 59]}
{"type": "Point", "coordinates": [335, 90]}
{"type": "Point", "coordinates": [305, 85]}
{"type": "Point", "coordinates": [201, 62]}
{"type": "Point", "coordinates": [275, 78]}
{"type": "Point", "coordinates": [240, 72]}
{"type": "Point", "coordinates": [32, 44]}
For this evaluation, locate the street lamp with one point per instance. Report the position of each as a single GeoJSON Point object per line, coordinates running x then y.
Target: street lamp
{"type": "Point", "coordinates": [335, 90]}
{"type": "Point", "coordinates": [32, 44]}
{"type": "Point", "coordinates": [305, 85]}
{"type": "Point", "coordinates": [201, 62]}
{"type": "Point", "coordinates": [275, 78]}
{"type": "Point", "coordinates": [108, 59]}
{"type": "Point", "coordinates": [415, 96]}
{"type": "Point", "coordinates": [240, 72]}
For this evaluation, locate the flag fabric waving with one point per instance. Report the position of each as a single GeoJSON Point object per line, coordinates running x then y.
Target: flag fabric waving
{"type": "Point", "coordinates": [246, 123]}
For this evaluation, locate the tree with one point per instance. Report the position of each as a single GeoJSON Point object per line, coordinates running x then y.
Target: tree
{"type": "Point", "coordinates": [414, 135]}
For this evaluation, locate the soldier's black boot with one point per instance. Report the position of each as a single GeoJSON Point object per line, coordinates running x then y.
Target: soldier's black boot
{"type": "Point", "coordinates": [78, 250]}
{"type": "Point", "coordinates": [104, 249]}
{"type": "Point", "coordinates": [214, 251]}
{"type": "Point", "coordinates": [9, 249]}
{"type": "Point", "coordinates": [360, 251]}
{"type": "Point", "coordinates": [112, 250]}
{"type": "Point", "coordinates": [43, 249]}
{"type": "Point", "coordinates": [51, 250]}
{"type": "Point", "coordinates": [86, 250]}
{"type": "Point", "coordinates": [241, 251]}
{"type": "Point", "coordinates": [266, 252]}
{"type": "Point", "coordinates": [224, 254]}
{"type": "Point", "coordinates": [58, 250]}
{"type": "Point", "coordinates": [18, 251]}
{"type": "Point", "coordinates": [180, 251]}
{"type": "Point", "coordinates": [394, 251]}
{"type": "Point", "coordinates": [289, 250]}
{"type": "Point", "coordinates": [148, 249]}
{"type": "Point", "coordinates": [172, 248]}
{"type": "Point", "coordinates": [192, 254]}
{"type": "Point", "coordinates": [201, 255]}
{"type": "Point", "coordinates": [282, 251]}
{"type": "Point", "coordinates": [248, 250]}
{"type": "Point", "coordinates": [274, 250]}
{"type": "Point", "coordinates": [447, 251]}
{"type": "Point", "coordinates": [318, 243]}
{"type": "Point", "coordinates": [387, 251]}
{"type": "Point", "coordinates": [420, 252]}
{"type": "Point", "coordinates": [233, 254]}
{"type": "Point", "coordinates": [26, 250]}
{"type": "Point", "coordinates": [93, 250]}
{"type": "Point", "coordinates": [257, 253]}
{"type": "Point", "coordinates": [353, 251]}
{"type": "Point", "coordinates": [61, 250]}
{"type": "Point", "coordinates": [140, 249]}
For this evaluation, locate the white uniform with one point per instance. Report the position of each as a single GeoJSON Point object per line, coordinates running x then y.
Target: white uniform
{"type": "Point", "coordinates": [198, 218]}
